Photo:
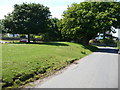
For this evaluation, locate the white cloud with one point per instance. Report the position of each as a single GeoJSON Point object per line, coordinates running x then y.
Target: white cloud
{"type": "Point", "coordinates": [57, 11]}
{"type": "Point", "coordinates": [4, 10]}
{"type": "Point", "coordinates": [56, 6]}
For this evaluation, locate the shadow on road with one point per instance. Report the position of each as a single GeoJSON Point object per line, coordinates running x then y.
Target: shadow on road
{"type": "Point", "coordinates": [108, 50]}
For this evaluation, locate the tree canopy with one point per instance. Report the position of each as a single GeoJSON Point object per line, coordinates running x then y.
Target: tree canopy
{"type": "Point", "coordinates": [82, 22]}
{"type": "Point", "coordinates": [28, 19]}
{"type": "Point", "coordinates": [2, 30]}
{"type": "Point", "coordinates": [54, 32]}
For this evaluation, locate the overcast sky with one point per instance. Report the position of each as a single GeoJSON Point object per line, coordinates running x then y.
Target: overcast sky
{"type": "Point", "coordinates": [56, 6]}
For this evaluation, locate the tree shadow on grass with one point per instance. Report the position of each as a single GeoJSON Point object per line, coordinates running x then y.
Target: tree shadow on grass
{"type": "Point", "coordinates": [90, 47]}
{"type": "Point", "coordinates": [55, 44]}
{"type": "Point", "coordinates": [45, 43]}
{"type": "Point", "coordinates": [101, 49]}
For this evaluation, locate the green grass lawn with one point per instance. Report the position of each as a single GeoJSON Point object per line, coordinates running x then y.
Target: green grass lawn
{"type": "Point", "coordinates": [10, 40]}
{"type": "Point", "coordinates": [23, 62]}
{"type": "Point", "coordinates": [118, 44]}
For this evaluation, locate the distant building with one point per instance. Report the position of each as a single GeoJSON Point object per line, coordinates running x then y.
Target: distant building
{"type": "Point", "coordinates": [12, 35]}
{"type": "Point", "coordinates": [108, 35]}
{"type": "Point", "coordinates": [99, 36]}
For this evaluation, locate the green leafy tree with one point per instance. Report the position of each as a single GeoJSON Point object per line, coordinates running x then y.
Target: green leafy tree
{"type": "Point", "coordinates": [82, 22]}
{"type": "Point", "coordinates": [104, 19]}
{"type": "Point", "coordinates": [28, 19]}
{"type": "Point", "coordinates": [9, 24]}
{"type": "Point", "coordinates": [116, 11]}
{"type": "Point", "coordinates": [2, 29]}
{"type": "Point", "coordinates": [53, 34]}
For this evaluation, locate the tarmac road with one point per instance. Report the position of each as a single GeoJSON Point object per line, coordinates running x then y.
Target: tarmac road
{"type": "Point", "coordinates": [97, 70]}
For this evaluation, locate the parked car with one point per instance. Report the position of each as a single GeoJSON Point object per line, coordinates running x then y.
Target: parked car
{"type": "Point", "coordinates": [23, 40]}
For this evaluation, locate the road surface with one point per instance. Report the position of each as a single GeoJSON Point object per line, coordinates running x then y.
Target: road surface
{"type": "Point", "coordinates": [97, 70]}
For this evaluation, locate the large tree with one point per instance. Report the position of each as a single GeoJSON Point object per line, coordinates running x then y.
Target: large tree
{"type": "Point", "coordinates": [54, 33]}
{"type": "Point", "coordinates": [9, 24]}
{"type": "Point", "coordinates": [82, 22]}
{"type": "Point", "coordinates": [2, 30]}
{"type": "Point", "coordinates": [116, 11]}
{"type": "Point", "coordinates": [28, 19]}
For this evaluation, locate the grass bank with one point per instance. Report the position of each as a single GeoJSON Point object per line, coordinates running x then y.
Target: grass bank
{"type": "Point", "coordinates": [10, 41]}
{"type": "Point", "coordinates": [23, 63]}
{"type": "Point", "coordinates": [118, 45]}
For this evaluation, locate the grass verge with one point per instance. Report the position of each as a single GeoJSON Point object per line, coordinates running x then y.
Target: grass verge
{"type": "Point", "coordinates": [23, 63]}
{"type": "Point", "coordinates": [118, 45]}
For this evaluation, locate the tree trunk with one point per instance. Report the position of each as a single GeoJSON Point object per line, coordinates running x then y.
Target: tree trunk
{"type": "Point", "coordinates": [13, 37]}
{"type": "Point", "coordinates": [103, 34]}
{"type": "Point", "coordinates": [28, 38]}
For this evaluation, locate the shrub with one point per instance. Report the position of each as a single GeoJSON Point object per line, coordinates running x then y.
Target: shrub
{"type": "Point", "coordinates": [92, 41]}
{"type": "Point", "coordinates": [22, 36]}
{"type": "Point", "coordinates": [108, 41]}
{"type": "Point", "coordinates": [38, 36]}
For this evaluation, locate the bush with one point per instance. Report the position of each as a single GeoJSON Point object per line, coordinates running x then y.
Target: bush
{"type": "Point", "coordinates": [38, 37]}
{"type": "Point", "coordinates": [118, 44]}
{"type": "Point", "coordinates": [108, 41]}
{"type": "Point", "coordinates": [92, 41]}
{"type": "Point", "coordinates": [22, 36]}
